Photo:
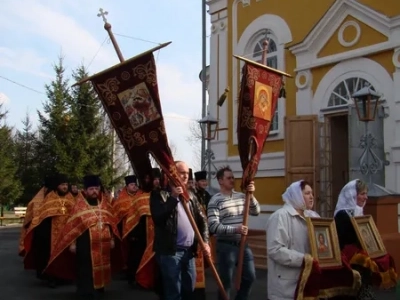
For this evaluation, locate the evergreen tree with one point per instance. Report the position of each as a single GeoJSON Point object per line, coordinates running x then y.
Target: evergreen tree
{"type": "Point", "coordinates": [26, 161]}
{"type": "Point", "coordinates": [10, 187]}
{"type": "Point", "coordinates": [92, 137]}
{"type": "Point", "coordinates": [55, 132]}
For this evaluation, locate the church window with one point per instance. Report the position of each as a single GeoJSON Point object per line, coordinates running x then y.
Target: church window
{"type": "Point", "coordinates": [341, 95]}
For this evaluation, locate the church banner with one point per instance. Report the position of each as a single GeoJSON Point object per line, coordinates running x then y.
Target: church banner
{"type": "Point", "coordinates": [258, 99]}
{"type": "Point", "coordinates": [129, 93]}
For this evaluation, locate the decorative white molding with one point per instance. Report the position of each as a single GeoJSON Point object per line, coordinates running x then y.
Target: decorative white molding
{"type": "Point", "coordinates": [346, 25]}
{"type": "Point", "coordinates": [304, 92]}
{"type": "Point", "coordinates": [375, 74]}
{"type": "Point", "coordinates": [216, 6]}
{"type": "Point", "coordinates": [307, 51]}
{"type": "Point", "coordinates": [244, 46]}
{"type": "Point", "coordinates": [213, 29]}
{"type": "Point", "coordinates": [222, 25]}
{"type": "Point", "coordinates": [245, 3]}
{"type": "Point", "coordinates": [260, 222]}
{"type": "Point", "coordinates": [269, 207]}
{"type": "Point", "coordinates": [271, 165]}
{"type": "Point", "coordinates": [365, 68]}
{"type": "Point", "coordinates": [307, 79]}
{"type": "Point", "coordinates": [349, 55]}
{"type": "Point", "coordinates": [218, 78]}
{"type": "Point", "coordinates": [396, 58]}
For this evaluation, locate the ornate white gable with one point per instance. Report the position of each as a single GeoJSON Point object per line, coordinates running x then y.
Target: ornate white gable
{"type": "Point", "coordinates": [306, 51]}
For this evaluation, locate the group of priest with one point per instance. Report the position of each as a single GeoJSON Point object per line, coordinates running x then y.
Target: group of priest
{"type": "Point", "coordinates": [84, 236]}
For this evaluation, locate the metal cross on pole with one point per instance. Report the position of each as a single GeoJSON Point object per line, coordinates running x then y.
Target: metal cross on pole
{"type": "Point", "coordinates": [107, 27]}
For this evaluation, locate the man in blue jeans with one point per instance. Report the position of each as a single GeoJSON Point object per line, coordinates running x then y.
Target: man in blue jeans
{"type": "Point", "coordinates": [175, 244]}
{"type": "Point", "coordinates": [225, 220]}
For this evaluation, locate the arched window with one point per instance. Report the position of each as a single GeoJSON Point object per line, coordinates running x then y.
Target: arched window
{"type": "Point", "coordinates": [341, 95]}
{"type": "Point", "coordinates": [272, 61]}
{"type": "Point", "coordinates": [272, 56]}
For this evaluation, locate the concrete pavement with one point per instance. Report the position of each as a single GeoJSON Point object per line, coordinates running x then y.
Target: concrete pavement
{"type": "Point", "coordinates": [18, 284]}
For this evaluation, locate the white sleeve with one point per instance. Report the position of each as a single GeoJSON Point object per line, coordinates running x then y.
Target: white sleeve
{"type": "Point", "coordinates": [278, 242]}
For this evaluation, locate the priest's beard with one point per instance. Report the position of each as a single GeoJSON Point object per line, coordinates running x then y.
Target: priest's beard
{"type": "Point", "coordinates": [93, 199]}
{"type": "Point", "coordinates": [74, 193]}
{"type": "Point", "coordinates": [61, 193]}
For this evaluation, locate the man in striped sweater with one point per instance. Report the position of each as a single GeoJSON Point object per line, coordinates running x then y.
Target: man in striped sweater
{"type": "Point", "coordinates": [225, 218]}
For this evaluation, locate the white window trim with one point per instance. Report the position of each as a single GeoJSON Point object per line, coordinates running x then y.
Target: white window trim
{"type": "Point", "coordinates": [348, 101]}
{"type": "Point", "coordinates": [282, 35]}
{"type": "Point", "coordinates": [380, 78]}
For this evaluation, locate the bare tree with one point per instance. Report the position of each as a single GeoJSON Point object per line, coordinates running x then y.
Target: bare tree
{"type": "Point", "coordinates": [194, 140]}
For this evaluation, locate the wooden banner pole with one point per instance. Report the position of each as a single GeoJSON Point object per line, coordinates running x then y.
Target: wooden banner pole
{"type": "Point", "coordinates": [107, 27]}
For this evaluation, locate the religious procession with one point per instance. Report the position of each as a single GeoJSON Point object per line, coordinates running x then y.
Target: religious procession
{"type": "Point", "coordinates": [167, 231]}
{"type": "Point", "coordinates": [84, 235]}
{"type": "Point", "coordinates": [147, 235]}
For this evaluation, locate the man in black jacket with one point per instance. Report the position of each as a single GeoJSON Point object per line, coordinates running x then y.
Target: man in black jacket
{"type": "Point", "coordinates": [175, 244]}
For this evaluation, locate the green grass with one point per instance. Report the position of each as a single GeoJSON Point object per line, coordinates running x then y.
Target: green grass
{"type": "Point", "coordinates": [9, 218]}
{"type": "Point", "coordinates": [8, 221]}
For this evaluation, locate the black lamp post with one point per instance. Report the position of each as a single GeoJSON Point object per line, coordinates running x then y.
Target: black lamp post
{"type": "Point", "coordinates": [209, 127]}
{"type": "Point", "coordinates": [366, 102]}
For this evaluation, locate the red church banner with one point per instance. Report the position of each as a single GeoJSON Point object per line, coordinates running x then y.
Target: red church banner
{"type": "Point", "coordinates": [258, 99]}
{"type": "Point", "coordinates": [129, 93]}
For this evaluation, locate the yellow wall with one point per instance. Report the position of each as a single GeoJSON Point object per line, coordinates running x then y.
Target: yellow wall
{"type": "Point", "coordinates": [369, 36]}
{"type": "Point", "coordinates": [300, 21]}
{"type": "Point", "coordinates": [299, 24]}
{"type": "Point", "coordinates": [269, 190]}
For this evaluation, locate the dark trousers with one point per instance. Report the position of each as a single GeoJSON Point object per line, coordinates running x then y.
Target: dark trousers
{"type": "Point", "coordinates": [178, 273]}
{"type": "Point", "coordinates": [227, 258]}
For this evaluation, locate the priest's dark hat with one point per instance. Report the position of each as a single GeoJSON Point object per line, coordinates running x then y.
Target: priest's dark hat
{"type": "Point", "coordinates": [130, 179]}
{"type": "Point", "coordinates": [200, 175]}
{"type": "Point", "coordinates": [91, 180]}
{"type": "Point", "coordinates": [59, 179]}
{"type": "Point", "coordinates": [190, 174]}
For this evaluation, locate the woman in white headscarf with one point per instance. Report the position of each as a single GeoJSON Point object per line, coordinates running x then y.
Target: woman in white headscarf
{"type": "Point", "coordinates": [287, 240]}
{"type": "Point", "coordinates": [351, 202]}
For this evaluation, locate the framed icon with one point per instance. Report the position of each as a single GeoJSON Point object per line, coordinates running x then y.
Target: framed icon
{"type": "Point", "coordinates": [324, 242]}
{"type": "Point", "coordinates": [368, 236]}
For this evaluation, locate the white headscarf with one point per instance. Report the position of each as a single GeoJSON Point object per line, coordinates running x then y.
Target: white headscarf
{"type": "Point", "coordinates": [294, 197]}
{"type": "Point", "coordinates": [348, 199]}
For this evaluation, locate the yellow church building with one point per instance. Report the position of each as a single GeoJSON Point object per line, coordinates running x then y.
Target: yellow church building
{"type": "Point", "coordinates": [332, 49]}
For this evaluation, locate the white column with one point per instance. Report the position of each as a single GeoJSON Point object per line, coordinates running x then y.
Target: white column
{"type": "Point", "coordinates": [219, 81]}
{"type": "Point", "coordinates": [304, 94]}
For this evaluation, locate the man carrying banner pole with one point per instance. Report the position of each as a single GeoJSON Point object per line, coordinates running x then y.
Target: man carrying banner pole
{"type": "Point", "coordinates": [259, 92]}
{"type": "Point", "coordinates": [129, 93]}
{"type": "Point", "coordinates": [174, 242]}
